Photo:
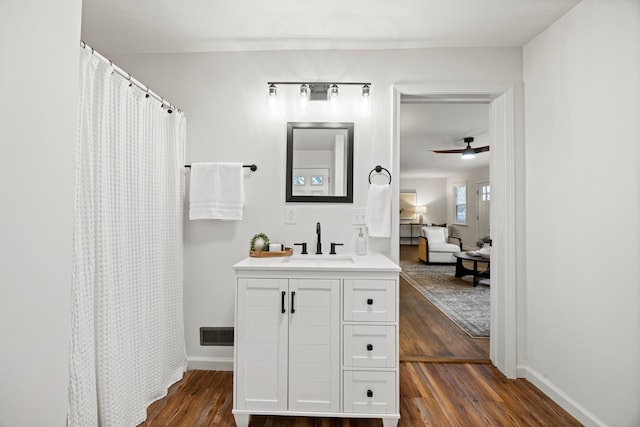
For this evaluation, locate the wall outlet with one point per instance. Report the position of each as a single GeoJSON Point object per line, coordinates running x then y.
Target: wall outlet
{"type": "Point", "coordinates": [291, 215]}
{"type": "Point", "coordinates": [358, 216]}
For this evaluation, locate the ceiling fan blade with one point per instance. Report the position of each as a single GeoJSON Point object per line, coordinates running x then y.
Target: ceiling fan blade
{"type": "Point", "coordinates": [449, 151]}
{"type": "Point", "coordinates": [481, 149]}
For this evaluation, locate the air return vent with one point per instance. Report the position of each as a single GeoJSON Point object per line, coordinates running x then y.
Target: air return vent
{"type": "Point", "coordinates": [222, 335]}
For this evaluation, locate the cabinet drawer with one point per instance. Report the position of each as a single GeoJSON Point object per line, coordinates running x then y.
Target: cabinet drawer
{"type": "Point", "coordinates": [369, 392]}
{"type": "Point", "coordinates": [369, 346]}
{"type": "Point", "coordinates": [370, 300]}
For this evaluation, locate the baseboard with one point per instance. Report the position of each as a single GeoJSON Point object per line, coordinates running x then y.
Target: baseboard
{"type": "Point", "coordinates": [210, 363]}
{"type": "Point", "coordinates": [521, 371]}
{"type": "Point", "coordinates": [561, 398]}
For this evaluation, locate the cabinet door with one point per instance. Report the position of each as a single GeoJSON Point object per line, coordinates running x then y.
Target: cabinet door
{"type": "Point", "coordinates": [261, 351]}
{"type": "Point", "coordinates": [314, 345]}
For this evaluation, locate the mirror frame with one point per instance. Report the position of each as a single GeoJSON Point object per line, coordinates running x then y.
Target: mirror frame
{"type": "Point", "coordinates": [291, 126]}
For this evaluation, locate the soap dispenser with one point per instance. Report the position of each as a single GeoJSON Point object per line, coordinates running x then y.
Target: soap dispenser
{"type": "Point", "coordinates": [361, 244]}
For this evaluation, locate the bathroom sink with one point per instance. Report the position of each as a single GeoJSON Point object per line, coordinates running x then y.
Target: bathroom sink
{"type": "Point", "coordinates": [315, 260]}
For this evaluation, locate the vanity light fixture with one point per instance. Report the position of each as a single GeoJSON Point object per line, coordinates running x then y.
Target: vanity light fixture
{"type": "Point", "coordinates": [316, 91]}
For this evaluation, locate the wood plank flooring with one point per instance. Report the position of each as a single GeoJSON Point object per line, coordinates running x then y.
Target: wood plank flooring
{"type": "Point", "coordinates": [427, 335]}
{"type": "Point", "coordinates": [431, 394]}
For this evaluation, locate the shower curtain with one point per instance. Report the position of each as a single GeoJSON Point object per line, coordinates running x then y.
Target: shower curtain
{"type": "Point", "coordinates": [127, 337]}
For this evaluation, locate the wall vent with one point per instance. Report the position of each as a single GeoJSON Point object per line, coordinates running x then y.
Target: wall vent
{"type": "Point", "coordinates": [222, 335]}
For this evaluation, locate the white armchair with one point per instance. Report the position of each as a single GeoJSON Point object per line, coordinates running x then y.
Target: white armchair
{"type": "Point", "coordinates": [435, 247]}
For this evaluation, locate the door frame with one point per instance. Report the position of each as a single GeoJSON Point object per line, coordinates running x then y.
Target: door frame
{"type": "Point", "coordinates": [507, 178]}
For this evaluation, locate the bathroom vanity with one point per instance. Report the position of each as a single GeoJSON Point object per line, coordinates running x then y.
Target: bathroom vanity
{"type": "Point", "coordinates": [317, 335]}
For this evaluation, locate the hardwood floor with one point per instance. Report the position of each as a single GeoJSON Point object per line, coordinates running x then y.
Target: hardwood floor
{"type": "Point", "coordinates": [431, 394]}
{"type": "Point", "coordinates": [427, 335]}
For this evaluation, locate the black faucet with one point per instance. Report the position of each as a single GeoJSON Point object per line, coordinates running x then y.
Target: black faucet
{"type": "Point", "coordinates": [304, 247]}
{"type": "Point", "coordinates": [319, 237]}
{"type": "Point", "coordinates": [333, 248]}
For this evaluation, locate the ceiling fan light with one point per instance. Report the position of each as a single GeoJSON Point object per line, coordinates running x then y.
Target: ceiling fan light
{"type": "Point", "coordinates": [468, 155]}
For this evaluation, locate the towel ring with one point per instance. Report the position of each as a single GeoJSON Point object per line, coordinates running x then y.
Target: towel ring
{"type": "Point", "coordinates": [379, 169]}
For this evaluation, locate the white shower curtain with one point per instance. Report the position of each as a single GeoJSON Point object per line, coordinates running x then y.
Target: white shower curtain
{"type": "Point", "coordinates": [127, 335]}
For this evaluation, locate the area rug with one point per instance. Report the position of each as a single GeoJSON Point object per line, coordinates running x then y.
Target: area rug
{"type": "Point", "coordinates": [466, 306]}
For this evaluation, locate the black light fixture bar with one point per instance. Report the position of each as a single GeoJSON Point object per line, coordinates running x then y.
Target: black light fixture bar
{"type": "Point", "coordinates": [319, 83]}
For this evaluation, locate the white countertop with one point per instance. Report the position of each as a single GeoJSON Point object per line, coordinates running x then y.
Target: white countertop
{"type": "Point", "coordinates": [347, 261]}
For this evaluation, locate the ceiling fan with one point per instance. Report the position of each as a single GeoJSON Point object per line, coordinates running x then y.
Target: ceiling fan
{"type": "Point", "coordinates": [468, 152]}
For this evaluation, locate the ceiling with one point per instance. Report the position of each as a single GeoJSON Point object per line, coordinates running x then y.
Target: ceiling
{"type": "Point", "coordinates": [170, 26]}
{"type": "Point", "coordinates": [154, 26]}
{"type": "Point", "coordinates": [431, 126]}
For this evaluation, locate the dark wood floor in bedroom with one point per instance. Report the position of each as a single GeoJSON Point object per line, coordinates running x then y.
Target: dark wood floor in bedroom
{"type": "Point", "coordinates": [467, 393]}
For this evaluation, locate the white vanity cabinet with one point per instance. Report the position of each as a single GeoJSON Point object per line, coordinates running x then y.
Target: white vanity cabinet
{"type": "Point", "coordinates": [316, 336]}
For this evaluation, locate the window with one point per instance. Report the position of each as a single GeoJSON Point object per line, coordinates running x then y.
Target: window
{"type": "Point", "coordinates": [317, 180]}
{"type": "Point", "coordinates": [460, 195]}
{"type": "Point", "coordinates": [298, 180]}
{"type": "Point", "coordinates": [486, 193]}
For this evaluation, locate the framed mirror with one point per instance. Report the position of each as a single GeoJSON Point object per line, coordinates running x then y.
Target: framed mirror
{"type": "Point", "coordinates": [319, 162]}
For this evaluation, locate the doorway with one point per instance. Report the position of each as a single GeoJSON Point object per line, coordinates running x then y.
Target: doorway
{"type": "Point", "coordinates": [507, 180]}
{"type": "Point", "coordinates": [449, 315]}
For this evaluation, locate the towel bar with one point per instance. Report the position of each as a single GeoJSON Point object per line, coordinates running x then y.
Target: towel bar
{"type": "Point", "coordinates": [252, 167]}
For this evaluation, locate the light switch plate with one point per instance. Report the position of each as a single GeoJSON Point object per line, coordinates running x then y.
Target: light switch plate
{"type": "Point", "coordinates": [358, 216]}
{"type": "Point", "coordinates": [291, 215]}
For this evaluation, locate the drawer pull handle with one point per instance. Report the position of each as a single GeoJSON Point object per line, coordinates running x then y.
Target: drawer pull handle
{"type": "Point", "coordinates": [293, 308]}
{"type": "Point", "coordinates": [369, 347]}
{"type": "Point", "coordinates": [369, 393]}
{"type": "Point", "coordinates": [282, 302]}
{"type": "Point", "coordinates": [369, 301]}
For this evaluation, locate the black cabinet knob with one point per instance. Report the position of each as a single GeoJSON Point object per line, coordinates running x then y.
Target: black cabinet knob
{"type": "Point", "coordinates": [369, 301]}
{"type": "Point", "coordinates": [369, 347]}
{"type": "Point", "coordinates": [369, 393]}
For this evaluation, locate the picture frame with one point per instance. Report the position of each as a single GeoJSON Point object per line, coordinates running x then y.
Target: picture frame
{"type": "Point", "coordinates": [408, 200]}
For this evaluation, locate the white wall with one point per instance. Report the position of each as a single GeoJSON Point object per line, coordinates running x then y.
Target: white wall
{"type": "Point", "coordinates": [224, 98]}
{"type": "Point", "coordinates": [582, 91]}
{"type": "Point", "coordinates": [431, 192]}
{"type": "Point", "coordinates": [39, 47]}
{"type": "Point", "coordinates": [468, 232]}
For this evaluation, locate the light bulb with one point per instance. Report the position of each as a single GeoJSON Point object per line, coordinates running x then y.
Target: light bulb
{"type": "Point", "coordinates": [333, 91]}
{"type": "Point", "coordinates": [304, 91]}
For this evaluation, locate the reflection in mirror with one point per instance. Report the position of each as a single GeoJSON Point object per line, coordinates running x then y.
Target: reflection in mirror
{"type": "Point", "coordinates": [320, 162]}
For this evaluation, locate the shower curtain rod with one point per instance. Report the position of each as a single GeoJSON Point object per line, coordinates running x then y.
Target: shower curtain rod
{"type": "Point", "coordinates": [163, 102]}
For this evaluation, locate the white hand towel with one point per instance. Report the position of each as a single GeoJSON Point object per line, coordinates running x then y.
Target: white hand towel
{"type": "Point", "coordinates": [379, 210]}
{"type": "Point", "coordinates": [217, 191]}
